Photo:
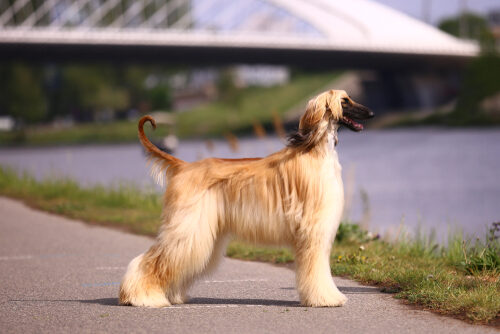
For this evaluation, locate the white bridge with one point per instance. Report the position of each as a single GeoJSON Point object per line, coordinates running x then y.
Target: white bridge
{"type": "Point", "coordinates": [332, 33]}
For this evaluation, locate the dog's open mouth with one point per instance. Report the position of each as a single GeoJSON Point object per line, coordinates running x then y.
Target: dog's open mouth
{"type": "Point", "coordinates": [353, 113]}
{"type": "Point", "coordinates": [352, 124]}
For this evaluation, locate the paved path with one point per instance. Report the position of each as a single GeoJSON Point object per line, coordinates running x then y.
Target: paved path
{"type": "Point", "coordinates": [58, 275]}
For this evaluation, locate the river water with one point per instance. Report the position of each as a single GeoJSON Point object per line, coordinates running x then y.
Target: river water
{"type": "Point", "coordinates": [432, 178]}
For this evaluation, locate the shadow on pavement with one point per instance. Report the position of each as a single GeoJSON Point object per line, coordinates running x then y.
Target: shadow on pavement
{"type": "Point", "coordinates": [350, 289]}
{"type": "Point", "coordinates": [356, 290]}
{"type": "Point", "coordinates": [215, 301]}
{"type": "Point", "coordinates": [101, 301]}
{"type": "Point", "coordinates": [222, 301]}
{"type": "Point", "coordinates": [193, 301]}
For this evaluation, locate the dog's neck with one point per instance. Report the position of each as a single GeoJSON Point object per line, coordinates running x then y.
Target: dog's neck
{"type": "Point", "coordinates": [332, 138]}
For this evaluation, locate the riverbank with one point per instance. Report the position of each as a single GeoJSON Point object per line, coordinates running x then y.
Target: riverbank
{"type": "Point", "coordinates": [461, 279]}
{"type": "Point", "coordinates": [437, 118]}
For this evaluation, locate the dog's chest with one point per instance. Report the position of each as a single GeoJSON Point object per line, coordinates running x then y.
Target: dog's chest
{"type": "Point", "coordinates": [332, 169]}
{"type": "Point", "coordinates": [332, 161]}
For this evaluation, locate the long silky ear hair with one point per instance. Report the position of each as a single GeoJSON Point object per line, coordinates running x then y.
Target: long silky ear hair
{"type": "Point", "coordinates": [314, 123]}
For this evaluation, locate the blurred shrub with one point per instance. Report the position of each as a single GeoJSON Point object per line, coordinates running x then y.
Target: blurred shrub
{"type": "Point", "coordinates": [160, 97]}
{"type": "Point", "coordinates": [480, 80]}
{"type": "Point", "coordinates": [352, 233]}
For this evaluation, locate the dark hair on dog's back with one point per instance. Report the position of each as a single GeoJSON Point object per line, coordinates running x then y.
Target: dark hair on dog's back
{"type": "Point", "coordinates": [303, 139]}
{"type": "Point", "coordinates": [297, 139]}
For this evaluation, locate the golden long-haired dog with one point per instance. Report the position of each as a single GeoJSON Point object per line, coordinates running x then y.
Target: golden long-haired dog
{"type": "Point", "coordinates": [293, 197]}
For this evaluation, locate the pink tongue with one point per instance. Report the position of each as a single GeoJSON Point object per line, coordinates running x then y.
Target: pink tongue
{"type": "Point", "coordinates": [356, 125]}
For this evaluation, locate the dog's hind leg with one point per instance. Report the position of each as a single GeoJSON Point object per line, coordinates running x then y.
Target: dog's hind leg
{"type": "Point", "coordinates": [182, 251]}
{"type": "Point", "coordinates": [217, 254]}
{"type": "Point", "coordinates": [314, 280]}
{"type": "Point", "coordinates": [177, 292]}
{"type": "Point", "coordinates": [188, 242]}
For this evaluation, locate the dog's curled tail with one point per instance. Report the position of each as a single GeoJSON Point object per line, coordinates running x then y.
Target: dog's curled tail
{"type": "Point", "coordinates": [163, 164]}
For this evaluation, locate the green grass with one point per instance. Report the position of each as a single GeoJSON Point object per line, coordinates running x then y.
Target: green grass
{"type": "Point", "coordinates": [460, 279]}
{"type": "Point", "coordinates": [115, 132]}
{"type": "Point", "coordinates": [236, 113]}
{"type": "Point", "coordinates": [124, 207]}
{"type": "Point", "coordinates": [243, 251]}
{"type": "Point", "coordinates": [426, 275]}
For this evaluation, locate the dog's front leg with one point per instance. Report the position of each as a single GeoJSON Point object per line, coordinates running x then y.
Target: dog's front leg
{"type": "Point", "coordinates": [140, 286]}
{"type": "Point", "coordinates": [314, 280]}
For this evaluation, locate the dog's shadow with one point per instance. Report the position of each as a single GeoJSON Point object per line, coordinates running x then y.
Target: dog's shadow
{"type": "Point", "coordinates": [241, 301]}
{"type": "Point", "coordinates": [102, 301]}
{"type": "Point", "coordinates": [359, 290]}
{"type": "Point", "coordinates": [348, 290]}
{"type": "Point", "coordinates": [218, 301]}
{"type": "Point", "coordinates": [205, 301]}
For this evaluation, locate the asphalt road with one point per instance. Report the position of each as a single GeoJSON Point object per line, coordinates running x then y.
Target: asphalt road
{"type": "Point", "coordinates": [59, 275]}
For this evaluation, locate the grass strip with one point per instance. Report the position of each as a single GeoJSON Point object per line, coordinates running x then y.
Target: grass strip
{"type": "Point", "coordinates": [90, 133]}
{"type": "Point", "coordinates": [125, 206]}
{"type": "Point", "coordinates": [460, 279]}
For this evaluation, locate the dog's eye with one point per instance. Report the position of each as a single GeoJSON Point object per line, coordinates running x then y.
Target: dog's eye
{"type": "Point", "coordinates": [345, 101]}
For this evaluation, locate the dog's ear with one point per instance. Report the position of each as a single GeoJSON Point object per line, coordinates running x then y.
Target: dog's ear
{"type": "Point", "coordinates": [315, 111]}
{"type": "Point", "coordinates": [326, 104]}
{"type": "Point", "coordinates": [335, 104]}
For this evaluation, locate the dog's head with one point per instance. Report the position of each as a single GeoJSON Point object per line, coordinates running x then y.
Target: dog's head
{"type": "Point", "coordinates": [337, 107]}
{"type": "Point", "coordinates": [333, 107]}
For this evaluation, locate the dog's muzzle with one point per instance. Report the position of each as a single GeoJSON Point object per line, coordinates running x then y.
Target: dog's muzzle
{"type": "Point", "coordinates": [353, 114]}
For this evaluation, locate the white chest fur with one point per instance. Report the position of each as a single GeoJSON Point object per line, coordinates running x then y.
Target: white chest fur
{"type": "Point", "coordinates": [332, 156]}
{"type": "Point", "coordinates": [335, 192]}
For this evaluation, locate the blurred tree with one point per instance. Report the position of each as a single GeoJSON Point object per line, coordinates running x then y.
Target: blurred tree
{"type": "Point", "coordinates": [133, 80]}
{"type": "Point", "coordinates": [159, 97]}
{"type": "Point", "coordinates": [470, 26]}
{"type": "Point", "coordinates": [480, 78]}
{"type": "Point", "coordinates": [480, 81]}
{"type": "Point", "coordinates": [21, 93]}
{"type": "Point", "coordinates": [110, 97]}
{"type": "Point", "coordinates": [226, 87]}
{"type": "Point", "coordinates": [87, 90]}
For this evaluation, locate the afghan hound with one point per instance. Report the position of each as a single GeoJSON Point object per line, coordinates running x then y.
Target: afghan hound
{"type": "Point", "coordinates": [293, 198]}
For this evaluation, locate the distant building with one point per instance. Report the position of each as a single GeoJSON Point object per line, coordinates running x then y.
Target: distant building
{"type": "Point", "coordinates": [494, 21]}
{"type": "Point", "coordinates": [200, 85]}
{"type": "Point", "coordinates": [6, 123]}
{"type": "Point", "coordinates": [260, 75]}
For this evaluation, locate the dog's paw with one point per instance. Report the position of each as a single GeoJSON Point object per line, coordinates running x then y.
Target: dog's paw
{"type": "Point", "coordinates": [336, 299]}
{"type": "Point", "coordinates": [178, 299]}
{"type": "Point", "coordinates": [339, 300]}
{"type": "Point", "coordinates": [166, 303]}
{"type": "Point", "coordinates": [151, 300]}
